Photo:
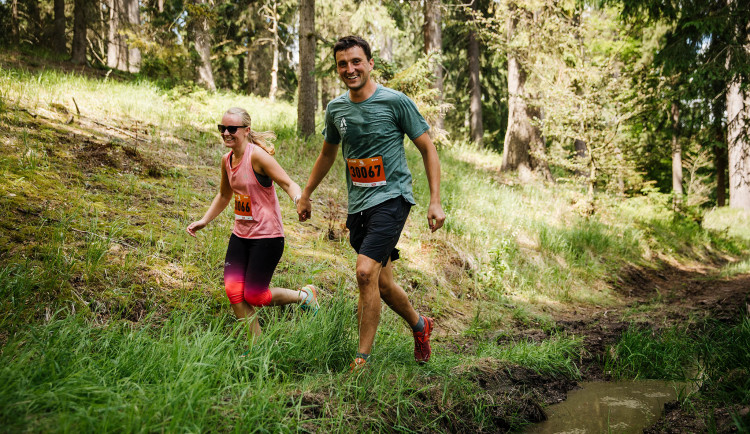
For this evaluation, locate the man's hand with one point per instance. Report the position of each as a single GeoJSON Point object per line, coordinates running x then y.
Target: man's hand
{"type": "Point", "coordinates": [304, 208]}
{"type": "Point", "coordinates": [435, 216]}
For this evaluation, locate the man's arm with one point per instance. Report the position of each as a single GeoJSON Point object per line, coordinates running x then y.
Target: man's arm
{"type": "Point", "coordinates": [435, 214]}
{"type": "Point", "coordinates": [319, 171]}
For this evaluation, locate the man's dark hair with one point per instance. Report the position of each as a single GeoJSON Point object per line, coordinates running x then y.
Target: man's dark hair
{"type": "Point", "coordinates": [348, 42]}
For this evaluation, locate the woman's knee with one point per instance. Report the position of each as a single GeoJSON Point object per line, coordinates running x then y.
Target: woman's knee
{"type": "Point", "coordinates": [235, 290]}
{"type": "Point", "coordinates": [258, 297]}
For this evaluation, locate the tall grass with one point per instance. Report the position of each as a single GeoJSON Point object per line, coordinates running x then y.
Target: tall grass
{"type": "Point", "coordinates": [142, 339]}
{"type": "Point", "coordinates": [714, 355]}
{"type": "Point", "coordinates": [644, 353]}
{"type": "Point", "coordinates": [186, 373]}
{"type": "Point", "coordinates": [555, 356]}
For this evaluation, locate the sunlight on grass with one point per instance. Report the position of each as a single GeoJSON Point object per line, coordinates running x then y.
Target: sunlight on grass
{"type": "Point", "coordinates": [733, 222]}
{"type": "Point", "coordinates": [113, 313]}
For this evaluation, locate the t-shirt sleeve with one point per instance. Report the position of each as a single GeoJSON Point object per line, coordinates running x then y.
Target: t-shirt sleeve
{"type": "Point", "coordinates": [411, 121]}
{"type": "Point", "coordinates": [330, 132]}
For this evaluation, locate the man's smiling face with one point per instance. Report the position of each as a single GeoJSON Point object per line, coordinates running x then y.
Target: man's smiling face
{"type": "Point", "coordinates": [353, 67]}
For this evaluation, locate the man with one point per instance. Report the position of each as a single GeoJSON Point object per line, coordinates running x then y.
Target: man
{"type": "Point", "coordinates": [370, 122]}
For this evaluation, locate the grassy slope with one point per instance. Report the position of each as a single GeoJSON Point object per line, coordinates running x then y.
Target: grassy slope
{"type": "Point", "coordinates": [94, 226]}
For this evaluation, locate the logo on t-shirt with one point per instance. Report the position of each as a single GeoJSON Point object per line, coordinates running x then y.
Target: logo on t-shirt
{"type": "Point", "coordinates": [342, 126]}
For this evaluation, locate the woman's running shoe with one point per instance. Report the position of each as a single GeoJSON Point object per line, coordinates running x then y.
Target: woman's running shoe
{"type": "Point", "coordinates": [310, 302]}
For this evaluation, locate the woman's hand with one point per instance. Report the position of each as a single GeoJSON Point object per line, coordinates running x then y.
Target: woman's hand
{"type": "Point", "coordinates": [195, 227]}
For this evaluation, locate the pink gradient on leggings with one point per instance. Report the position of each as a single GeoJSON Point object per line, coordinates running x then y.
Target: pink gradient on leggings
{"type": "Point", "coordinates": [236, 292]}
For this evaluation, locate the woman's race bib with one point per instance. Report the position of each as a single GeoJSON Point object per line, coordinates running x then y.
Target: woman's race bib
{"type": "Point", "coordinates": [243, 209]}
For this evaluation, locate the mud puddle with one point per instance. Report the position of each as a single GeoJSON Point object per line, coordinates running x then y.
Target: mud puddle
{"type": "Point", "coordinates": [613, 406]}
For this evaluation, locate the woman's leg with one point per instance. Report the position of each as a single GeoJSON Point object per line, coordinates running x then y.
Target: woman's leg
{"type": "Point", "coordinates": [244, 312]}
{"type": "Point", "coordinates": [235, 264]}
{"type": "Point", "coordinates": [282, 296]}
{"type": "Point", "coordinates": [264, 257]}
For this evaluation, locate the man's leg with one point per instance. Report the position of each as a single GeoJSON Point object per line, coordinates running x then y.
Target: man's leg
{"type": "Point", "coordinates": [395, 296]}
{"type": "Point", "coordinates": [421, 326]}
{"type": "Point", "coordinates": [368, 312]}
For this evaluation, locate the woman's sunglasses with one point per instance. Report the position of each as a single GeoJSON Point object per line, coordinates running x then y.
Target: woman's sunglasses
{"type": "Point", "coordinates": [231, 128]}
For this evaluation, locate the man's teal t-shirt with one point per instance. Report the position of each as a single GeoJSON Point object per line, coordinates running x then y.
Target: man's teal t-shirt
{"type": "Point", "coordinates": [371, 133]}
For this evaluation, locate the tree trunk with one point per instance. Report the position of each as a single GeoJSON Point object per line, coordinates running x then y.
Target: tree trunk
{"type": "Point", "coordinates": [241, 65]}
{"type": "Point", "coordinates": [580, 148]}
{"type": "Point", "coordinates": [132, 9]}
{"type": "Point", "coordinates": [202, 39]}
{"type": "Point", "coordinates": [59, 41]}
{"type": "Point", "coordinates": [34, 21]}
{"type": "Point", "coordinates": [80, 26]}
{"type": "Point", "coordinates": [677, 190]}
{"type": "Point", "coordinates": [14, 23]}
{"type": "Point", "coordinates": [307, 92]}
{"type": "Point", "coordinates": [520, 132]}
{"type": "Point", "coordinates": [720, 163]}
{"type": "Point", "coordinates": [327, 91]}
{"type": "Point", "coordinates": [274, 72]}
{"type": "Point", "coordinates": [251, 73]}
{"type": "Point", "coordinates": [386, 49]}
{"type": "Point", "coordinates": [123, 16]}
{"type": "Point", "coordinates": [738, 143]}
{"type": "Point", "coordinates": [522, 138]}
{"type": "Point", "coordinates": [536, 144]}
{"type": "Point", "coordinates": [274, 22]}
{"type": "Point", "coordinates": [738, 122]}
{"type": "Point", "coordinates": [115, 44]}
{"type": "Point", "coordinates": [476, 127]}
{"type": "Point", "coordinates": [720, 154]}
{"type": "Point", "coordinates": [433, 43]}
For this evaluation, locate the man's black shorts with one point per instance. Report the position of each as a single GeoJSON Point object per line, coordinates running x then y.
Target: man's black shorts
{"type": "Point", "coordinates": [375, 231]}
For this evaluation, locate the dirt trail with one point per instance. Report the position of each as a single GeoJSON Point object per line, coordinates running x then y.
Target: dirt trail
{"type": "Point", "coordinates": [674, 295]}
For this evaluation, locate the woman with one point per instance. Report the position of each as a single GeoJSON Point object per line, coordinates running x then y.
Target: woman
{"type": "Point", "coordinates": [248, 172]}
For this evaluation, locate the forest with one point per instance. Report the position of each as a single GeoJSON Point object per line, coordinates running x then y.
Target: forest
{"type": "Point", "coordinates": [595, 161]}
{"type": "Point", "coordinates": [629, 96]}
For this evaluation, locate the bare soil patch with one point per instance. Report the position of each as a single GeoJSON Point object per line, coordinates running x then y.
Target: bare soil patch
{"type": "Point", "coordinates": [672, 295]}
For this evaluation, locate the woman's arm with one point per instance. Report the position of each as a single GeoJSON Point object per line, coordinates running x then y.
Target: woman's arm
{"type": "Point", "coordinates": [268, 166]}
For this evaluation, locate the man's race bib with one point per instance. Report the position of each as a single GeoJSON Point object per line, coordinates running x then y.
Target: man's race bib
{"type": "Point", "coordinates": [242, 207]}
{"type": "Point", "coordinates": [366, 172]}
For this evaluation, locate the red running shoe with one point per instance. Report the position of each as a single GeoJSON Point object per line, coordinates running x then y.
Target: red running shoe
{"type": "Point", "coordinates": [422, 349]}
{"type": "Point", "coordinates": [357, 365]}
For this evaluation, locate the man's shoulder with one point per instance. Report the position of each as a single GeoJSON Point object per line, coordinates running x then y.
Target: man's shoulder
{"type": "Point", "coordinates": [339, 100]}
{"type": "Point", "coordinates": [387, 92]}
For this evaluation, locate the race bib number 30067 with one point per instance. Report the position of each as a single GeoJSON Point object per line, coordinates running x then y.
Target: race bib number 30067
{"type": "Point", "coordinates": [366, 172]}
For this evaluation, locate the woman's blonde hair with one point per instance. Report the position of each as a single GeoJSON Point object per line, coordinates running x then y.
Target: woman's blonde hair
{"type": "Point", "coordinates": [260, 138]}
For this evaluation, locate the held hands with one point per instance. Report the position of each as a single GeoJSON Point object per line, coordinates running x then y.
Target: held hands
{"type": "Point", "coordinates": [304, 208]}
{"type": "Point", "coordinates": [195, 227]}
{"type": "Point", "coordinates": [435, 216]}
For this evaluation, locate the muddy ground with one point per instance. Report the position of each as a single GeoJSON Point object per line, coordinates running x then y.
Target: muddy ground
{"type": "Point", "coordinates": [681, 294]}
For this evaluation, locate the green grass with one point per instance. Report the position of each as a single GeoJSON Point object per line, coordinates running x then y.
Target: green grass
{"type": "Point", "coordinates": [114, 319]}
{"type": "Point", "coordinates": [730, 221]}
{"type": "Point", "coordinates": [644, 353]}
{"type": "Point", "coordinates": [713, 355]}
{"type": "Point", "coordinates": [184, 372]}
